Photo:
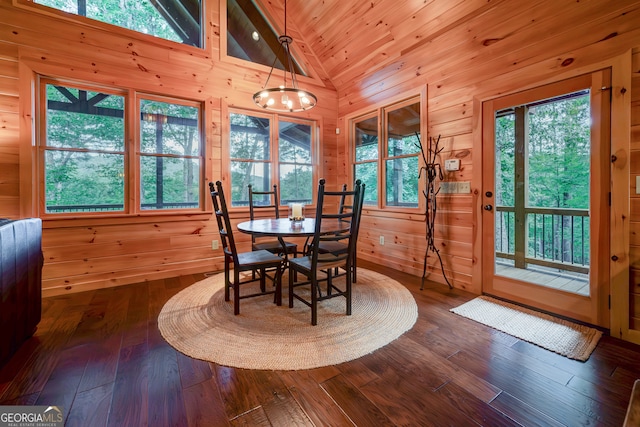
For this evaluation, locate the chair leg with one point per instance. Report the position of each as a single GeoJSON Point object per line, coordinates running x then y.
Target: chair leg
{"type": "Point", "coordinates": [295, 272]}
{"type": "Point", "coordinates": [348, 293]}
{"type": "Point", "coordinates": [291, 282]}
{"type": "Point", "coordinates": [263, 280]}
{"type": "Point", "coordinates": [226, 279]}
{"type": "Point", "coordinates": [314, 301]}
{"type": "Point", "coordinates": [355, 269]}
{"type": "Point", "coordinates": [236, 291]}
{"type": "Point", "coordinates": [278, 279]}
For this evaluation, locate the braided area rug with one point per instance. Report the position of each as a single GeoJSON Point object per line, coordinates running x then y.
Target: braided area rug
{"type": "Point", "coordinates": [199, 323]}
{"type": "Point", "coordinates": [560, 336]}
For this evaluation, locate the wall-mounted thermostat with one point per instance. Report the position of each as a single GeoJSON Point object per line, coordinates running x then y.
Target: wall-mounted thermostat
{"type": "Point", "coordinates": [452, 165]}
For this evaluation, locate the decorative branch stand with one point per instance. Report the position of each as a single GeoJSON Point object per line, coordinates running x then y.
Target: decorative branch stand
{"type": "Point", "coordinates": [432, 171]}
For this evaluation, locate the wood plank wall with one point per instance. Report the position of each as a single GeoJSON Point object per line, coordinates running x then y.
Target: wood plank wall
{"type": "Point", "coordinates": [86, 254]}
{"type": "Point", "coordinates": [464, 54]}
{"type": "Point", "coordinates": [498, 49]}
{"type": "Point", "coordinates": [634, 238]}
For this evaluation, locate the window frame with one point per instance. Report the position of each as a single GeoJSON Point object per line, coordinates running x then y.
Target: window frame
{"type": "Point", "coordinates": [386, 157]}
{"type": "Point", "coordinates": [381, 113]}
{"type": "Point", "coordinates": [132, 152]}
{"type": "Point", "coordinates": [310, 76]}
{"type": "Point", "coordinates": [201, 51]}
{"type": "Point", "coordinates": [274, 160]}
{"type": "Point", "coordinates": [376, 161]}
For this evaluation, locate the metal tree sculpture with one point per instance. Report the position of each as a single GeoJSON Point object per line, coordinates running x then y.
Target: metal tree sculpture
{"type": "Point", "coordinates": [432, 170]}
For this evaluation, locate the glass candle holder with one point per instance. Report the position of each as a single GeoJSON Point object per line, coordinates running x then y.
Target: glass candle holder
{"type": "Point", "coordinates": [296, 212]}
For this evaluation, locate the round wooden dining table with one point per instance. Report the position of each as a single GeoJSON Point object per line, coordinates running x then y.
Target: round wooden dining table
{"type": "Point", "coordinates": [280, 227]}
{"type": "Point", "coordinates": [284, 227]}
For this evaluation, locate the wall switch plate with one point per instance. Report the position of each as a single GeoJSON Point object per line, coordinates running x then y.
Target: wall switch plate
{"type": "Point", "coordinates": [382, 240]}
{"type": "Point", "coordinates": [638, 184]}
{"type": "Point", "coordinates": [448, 187]}
{"type": "Point", "coordinates": [454, 187]}
{"type": "Point", "coordinates": [464, 187]}
{"type": "Point", "coordinates": [214, 245]}
{"type": "Point", "coordinates": [452, 164]}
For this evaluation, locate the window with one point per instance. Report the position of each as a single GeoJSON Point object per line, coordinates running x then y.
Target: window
{"type": "Point", "coordinates": [175, 20]}
{"type": "Point", "coordinates": [542, 180]}
{"type": "Point", "coordinates": [296, 169]}
{"type": "Point", "coordinates": [366, 156]}
{"type": "Point", "coordinates": [170, 160]}
{"type": "Point", "coordinates": [251, 37]}
{"type": "Point", "coordinates": [390, 163]}
{"type": "Point", "coordinates": [270, 149]}
{"type": "Point", "coordinates": [402, 132]}
{"type": "Point", "coordinates": [87, 146]}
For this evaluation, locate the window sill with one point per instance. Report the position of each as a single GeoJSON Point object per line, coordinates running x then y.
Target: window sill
{"type": "Point", "coordinates": [50, 221]}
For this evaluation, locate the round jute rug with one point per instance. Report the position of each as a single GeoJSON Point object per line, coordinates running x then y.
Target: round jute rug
{"type": "Point", "coordinates": [199, 323]}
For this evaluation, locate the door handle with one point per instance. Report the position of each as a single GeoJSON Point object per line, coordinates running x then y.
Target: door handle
{"type": "Point", "coordinates": [488, 207]}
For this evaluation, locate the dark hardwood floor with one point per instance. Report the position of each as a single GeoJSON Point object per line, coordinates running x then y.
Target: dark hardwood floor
{"type": "Point", "coordinates": [100, 356]}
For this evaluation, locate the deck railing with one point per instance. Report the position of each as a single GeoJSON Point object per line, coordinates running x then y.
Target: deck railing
{"type": "Point", "coordinates": [118, 207]}
{"type": "Point", "coordinates": [557, 238]}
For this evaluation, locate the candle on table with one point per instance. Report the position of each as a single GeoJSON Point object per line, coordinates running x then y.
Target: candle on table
{"type": "Point", "coordinates": [296, 210]}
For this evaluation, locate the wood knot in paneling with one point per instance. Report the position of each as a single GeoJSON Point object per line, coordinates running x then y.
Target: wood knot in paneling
{"type": "Point", "coordinates": [609, 36]}
{"type": "Point", "coordinates": [567, 62]}
{"type": "Point", "coordinates": [621, 159]}
{"type": "Point", "coordinates": [489, 42]}
{"type": "Point", "coordinates": [462, 154]}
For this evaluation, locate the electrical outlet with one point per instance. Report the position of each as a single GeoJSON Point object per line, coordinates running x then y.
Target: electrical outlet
{"type": "Point", "coordinates": [214, 245]}
{"type": "Point", "coordinates": [382, 240]}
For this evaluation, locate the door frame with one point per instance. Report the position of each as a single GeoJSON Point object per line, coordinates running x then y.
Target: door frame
{"type": "Point", "coordinates": [595, 308]}
{"type": "Point", "coordinates": [621, 75]}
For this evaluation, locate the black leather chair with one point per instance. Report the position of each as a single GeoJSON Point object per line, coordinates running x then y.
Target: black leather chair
{"type": "Point", "coordinates": [21, 264]}
{"type": "Point", "coordinates": [255, 261]}
{"type": "Point", "coordinates": [318, 267]}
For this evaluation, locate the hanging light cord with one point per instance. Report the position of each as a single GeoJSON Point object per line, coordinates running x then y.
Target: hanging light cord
{"type": "Point", "coordinates": [283, 98]}
{"type": "Point", "coordinates": [284, 42]}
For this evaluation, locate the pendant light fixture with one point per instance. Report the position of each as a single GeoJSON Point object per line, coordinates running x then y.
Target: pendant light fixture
{"type": "Point", "coordinates": [283, 98]}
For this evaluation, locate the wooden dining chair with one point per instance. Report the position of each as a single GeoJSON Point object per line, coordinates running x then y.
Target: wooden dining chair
{"type": "Point", "coordinates": [258, 262]}
{"type": "Point", "coordinates": [340, 247]}
{"type": "Point", "coordinates": [318, 267]}
{"type": "Point", "coordinates": [268, 201]}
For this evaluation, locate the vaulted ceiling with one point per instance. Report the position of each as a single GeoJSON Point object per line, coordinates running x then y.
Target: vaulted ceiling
{"type": "Point", "coordinates": [345, 40]}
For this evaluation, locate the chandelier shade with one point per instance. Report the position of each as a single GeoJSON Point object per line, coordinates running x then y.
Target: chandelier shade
{"type": "Point", "coordinates": [283, 98]}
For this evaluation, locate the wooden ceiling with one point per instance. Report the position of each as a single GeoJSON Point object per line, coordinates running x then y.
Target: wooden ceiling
{"type": "Point", "coordinates": [349, 39]}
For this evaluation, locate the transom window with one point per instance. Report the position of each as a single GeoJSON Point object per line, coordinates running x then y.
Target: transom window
{"type": "Point", "coordinates": [175, 20]}
{"type": "Point", "coordinates": [89, 156]}
{"type": "Point", "coordinates": [389, 163]}
{"type": "Point", "coordinates": [251, 37]}
{"type": "Point", "coordinates": [271, 149]}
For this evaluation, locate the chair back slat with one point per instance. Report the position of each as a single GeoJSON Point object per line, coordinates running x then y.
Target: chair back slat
{"type": "Point", "coordinates": [273, 204]}
{"type": "Point", "coordinates": [223, 220]}
{"type": "Point", "coordinates": [254, 205]}
{"type": "Point", "coordinates": [357, 208]}
{"type": "Point", "coordinates": [348, 202]}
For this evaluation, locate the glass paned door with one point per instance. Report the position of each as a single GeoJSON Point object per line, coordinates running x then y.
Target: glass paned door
{"type": "Point", "coordinates": [542, 192]}
{"type": "Point", "coordinates": [545, 210]}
